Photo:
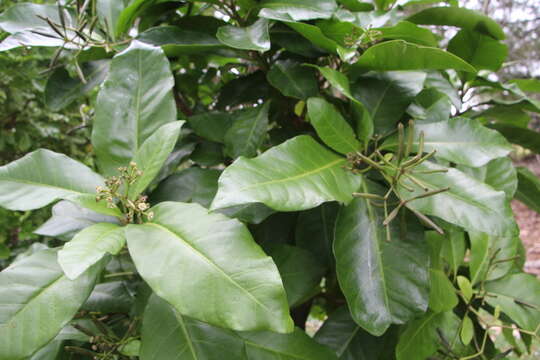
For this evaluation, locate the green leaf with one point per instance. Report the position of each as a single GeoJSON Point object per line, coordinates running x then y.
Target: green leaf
{"type": "Point", "coordinates": [299, 269]}
{"type": "Point", "coordinates": [517, 295]}
{"type": "Point", "coordinates": [421, 338]}
{"type": "Point", "coordinates": [384, 4]}
{"type": "Point", "coordinates": [43, 176]}
{"type": "Point", "coordinates": [337, 79]}
{"type": "Point", "coordinates": [152, 154]}
{"type": "Point", "coordinates": [460, 140]}
{"type": "Point", "coordinates": [320, 40]}
{"type": "Point", "coordinates": [527, 85]}
{"type": "Point", "coordinates": [315, 231]}
{"type": "Point", "coordinates": [453, 248]}
{"type": "Point", "coordinates": [499, 173]}
{"type": "Point", "coordinates": [481, 51]}
{"type": "Point", "coordinates": [134, 101]}
{"type": "Point", "coordinates": [469, 203]}
{"type": "Point", "coordinates": [89, 246]}
{"type": "Point", "coordinates": [211, 125]}
{"type": "Point", "coordinates": [245, 89]}
{"type": "Point", "coordinates": [465, 286]}
{"type": "Point", "coordinates": [331, 127]}
{"type": "Point", "coordinates": [187, 241]}
{"type": "Point", "coordinates": [442, 296]}
{"type": "Point", "coordinates": [529, 139]}
{"type": "Point", "coordinates": [296, 175]}
{"type": "Point", "coordinates": [293, 80]}
{"type": "Point", "coordinates": [356, 5]}
{"type": "Point", "coordinates": [459, 17]}
{"type": "Point", "coordinates": [467, 330]}
{"type": "Point", "coordinates": [350, 342]}
{"type": "Point", "coordinates": [505, 114]}
{"type": "Point", "coordinates": [36, 298]}
{"type": "Point", "coordinates": [108, 12]}
{"type": "Point", "coordinates": [24, 16]}
{"type": "Point", "coordinates": [297, 10]}
{"type": "Point", "coordinates": [166, 335]}
{"type": "Point", "coordinates": [254, 37]}
{"type": "Point", "coordinates": [401, 55]}
{"type": "Point", "coordinates": [62, 90]}
{"type": "Point", "coordinates": [247, 132]}
{"type": "Point", "coordinates": [110, 297]}
{"type": "Point", "coordinates": [190, 185]}
{"type": "Point", "coordinates": [176, 41]}
{"type": "Point", "coordinates": [430, 106]}
{"type": "Point", "coordinates": [384, 282]}
{"type": "Point", "coordinates": [409, 32]}
{"type": "Point", "coordinates": [130, 13]}
{"type": "Point", "coordinates": [387, 96]}
{"type": "Point", "coordinates": [29, 38]}
{"type": "Point", "coordinates": [528, 191]}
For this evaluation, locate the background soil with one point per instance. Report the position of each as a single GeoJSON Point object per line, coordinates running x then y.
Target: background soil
{"type": "Point", "coordinates": [529, 223]}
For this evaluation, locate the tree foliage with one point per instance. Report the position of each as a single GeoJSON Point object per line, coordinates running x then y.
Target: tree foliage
{"type": "Point", "coordinates": [252, 164]}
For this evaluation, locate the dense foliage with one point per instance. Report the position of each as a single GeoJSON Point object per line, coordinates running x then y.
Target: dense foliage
{"type": "Point", "coordinates": [251, 167]}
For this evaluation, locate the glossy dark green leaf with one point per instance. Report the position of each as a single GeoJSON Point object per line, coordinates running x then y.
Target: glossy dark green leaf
{"type": "Point", "coordinates": [337, 79]}
{"type": "Point", "coordinates": [247, 131]}
{"type": "Point", "coordinates": [110, 297]}
{"type": "Point", "coordinates": [453, 248]}
{"type": "Point", "coordinates": [506, 114]}
{"type": "Point", "coordinates": [517, 295]}
{"type": "Point", "coordinates": [42, 177]}
{"type": "Point", "coordinates": [293, 42]}
{"type": "Point", "coordinates": [529, 139]}
{"type": "Point", "coordinates": [297, 10]}
{"type": "Point", "coordinates": [185, 239]}
{"type": "Point", "coordinates": [254, 213]}
{"type": "Point", "coordinates": [176, 41]}
{"type": "Point", "coordinates": [320, 40]}
{"type": "Point", "coordinates": [134, 101]}
{"type": "Point", "coordinates": [62, 90]}
{"type": "Point", "coordinates": [350, 342]}
{"type": "Point", "coordinates": [481, 51]}
{"type": "Point", "coordinates": [254, 37]}
{"type": "Point", "coordinates": [401, 55]}
{"type": "Point", "coordinates": [357, 5]}
{"type": "Point", "coordinates": [468, 203]}
{"type": "Point", "coordinates": [387, 96]}
{"type": "Point", "coordinates": [430, 106]}
{"type": "Point", "coordinates": [440, 82]}
{"type": "Point", "coordinates": [208, 153]}
{"type": "Point", "coordinates": [130, 13]}
{"type": "Point", "coordinates": [527, 85]}
{"type": "Point", "coordinates": [528, 191]}
{"type": "Point", "coordinates": [384, 4]}
{"type": "Point", "coordinates": [315, 231]}
{"type": "Point", "coordinates": [152, 154]}
{"type": "Point", "coordinates": [331, 127]}
{"type": "Point", "coordinates": [190, 185]}
{"type": "Point", "coordinates": [343, 32]}
{"type": "Point", "coordinates": [384, 282]}
{"type": "Point", "coordinates": [442, 296]}
{"type": "Point", "coordinates": [499, 173]}
{"type": "Point", "coordinates": [166, 335]}
{"type": "Point", "coordinates": [300, 271]}
{"type": "Point", "coordinates": [492, 257]}
{"type": "Point", "coordinates": [89, 246]}
{"type": "Point", "coordinates": [409, 32]}
{"type": "Point", "coordinates": [36, 298]}
{"type": "Point", "coordinates": [211, 125]}
{"type": "Point", "coordinates": [296, 175]}
{"type": "Point", "coordinates": [460, 17]}
{"type": "Point", "coordinates": [293, 80]}
{"type": "Point", "coordinates": [421, 337]}
{"type": "Point", "coordinates": [462, 141]}
{"type": "Point", "coordinates": [246, 89]}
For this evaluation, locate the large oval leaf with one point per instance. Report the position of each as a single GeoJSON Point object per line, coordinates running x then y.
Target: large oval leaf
{"type": "Point", "coordinates": [293, 79]}
{"type": "Point", "coordinates": [385, 282]}
{"type": "Point", "coordinates": [401, 55]}
{"type": "Point", "coordinates": [460, 17]}
{"type": "Point", "coordinates": [135, 100]}
{"type": "Point", "coordinates": [331, 127]}
{"type": "Point", "coordinates": [481, 51]}
{"type": "Point", "coordinates": [167, 335]}
{"type": "Point", "coordinates": [247, 132]}
{"type": "Point", "coordinates": [37, 301]}
{"type": "Point", "coordinates": [254, 37]}
{"type": "Point", "coordinates": [296, 175]}
{"type": "Point", "coordinates": [460, 140]}
{"type": "Point", "coordinates": [297, 10]}
{"type": "Point", "coordinates": [468, 203]}
{"type": "Point", "coordinates": [42, 177]}
{"type": "Point", "coordinates": [89, 246]}
{"type": "Point", "coordinates": [24, 16]}
{"type": "Point", "coordinates": [185, 256]}
{"type": "Point", "coordinates": [176, 41]}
